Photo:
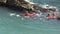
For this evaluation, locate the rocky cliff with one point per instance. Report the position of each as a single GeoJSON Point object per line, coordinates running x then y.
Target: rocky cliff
{"type": "Point", "coordinates": [3, 1]}
{"type": "Point", "coordinates": [16, 4]}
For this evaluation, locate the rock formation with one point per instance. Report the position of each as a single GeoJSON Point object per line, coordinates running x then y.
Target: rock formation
{"type": "Point", "coordinates": [25, 5]}
{"type": "Point", "coordinates": [3, 1]}
{"type": "Point", "coordinates": [16, 4]}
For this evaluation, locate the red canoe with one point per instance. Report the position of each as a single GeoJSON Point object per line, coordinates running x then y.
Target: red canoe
{"type": "Point", "coordinates": [31, 15]}
{"type": "Point", "coordinates": [53, 16]}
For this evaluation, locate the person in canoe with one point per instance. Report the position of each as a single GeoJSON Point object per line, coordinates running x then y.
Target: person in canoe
{"type": "Point", "coordinates": [28, 14]}
{"type": "Point", "coordinates": [49, 16]}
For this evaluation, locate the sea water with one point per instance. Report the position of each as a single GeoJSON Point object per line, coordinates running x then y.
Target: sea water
{"type": "Point", "coordinates": [12, 23]}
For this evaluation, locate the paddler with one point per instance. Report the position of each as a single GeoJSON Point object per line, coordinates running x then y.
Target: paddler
{"type": "Point", "coordinates": [26, 13]}
{"type": "Point", "coordinates": [49, 16]}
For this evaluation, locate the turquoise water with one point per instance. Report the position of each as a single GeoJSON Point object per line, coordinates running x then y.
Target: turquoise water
{"type": "Point", "coordinates": [28, 25]}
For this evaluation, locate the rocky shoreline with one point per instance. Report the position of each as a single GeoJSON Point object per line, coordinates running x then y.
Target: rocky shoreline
{"type": "Point", "coordinates": [12, 4]}
{"type": "Point", "coordinates": [23, 5]}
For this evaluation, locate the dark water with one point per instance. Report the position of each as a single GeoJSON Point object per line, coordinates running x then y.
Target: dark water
{"type": "Point", "coordinates": [28, 25]}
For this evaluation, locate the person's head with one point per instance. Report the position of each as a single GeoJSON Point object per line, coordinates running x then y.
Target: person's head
{"type": "Point", "coordinates": [48, 14]}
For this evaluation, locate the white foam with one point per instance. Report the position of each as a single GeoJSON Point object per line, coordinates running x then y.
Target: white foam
{"type": "Point", "coordinates": [22, 18]}
{"type": "Point", "coordinates": [12, 14]}
{"type": "Point", "coordinates": [18, 15]}
{"type": "Point", "coordinates": [30, 2]}
{"type": "Point", "coordinates": [26, 16]}
{"type": "Point", "coordinates": [40, 18]}
{"type": "Point", "coordinates": [57, 9]}
{"type": "Point", "coordinates": [53, 7]}
{"type": "Point", "coordinates": [39, 14]}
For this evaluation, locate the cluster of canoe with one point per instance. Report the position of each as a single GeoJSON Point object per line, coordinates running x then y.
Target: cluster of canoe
{"type": "Point", "coordinates": [48, 16]}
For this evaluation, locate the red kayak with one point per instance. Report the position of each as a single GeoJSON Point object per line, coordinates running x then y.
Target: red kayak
{"type": "Point", "coordinates": [53, 16]}
{"type": "Point", "coordinates": [31, 15]}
